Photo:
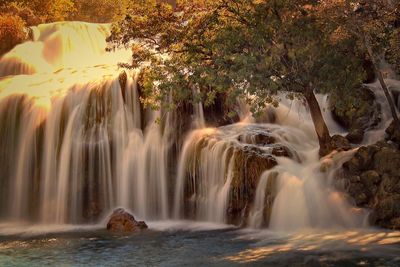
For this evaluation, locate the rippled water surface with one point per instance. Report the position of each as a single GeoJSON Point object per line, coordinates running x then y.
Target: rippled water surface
{"type": "Point", "coordinates": [194, 244]}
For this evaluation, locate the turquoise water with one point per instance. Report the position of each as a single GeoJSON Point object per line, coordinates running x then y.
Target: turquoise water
{"type": "Point", "coordinates": [194, 244]}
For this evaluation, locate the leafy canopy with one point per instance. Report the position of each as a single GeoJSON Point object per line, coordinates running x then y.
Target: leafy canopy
{"type": "Point", "coordinates": [242, 48]}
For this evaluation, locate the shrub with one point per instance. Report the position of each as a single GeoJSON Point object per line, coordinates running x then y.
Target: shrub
{"type": "Point", "coordinates": [12, 32]}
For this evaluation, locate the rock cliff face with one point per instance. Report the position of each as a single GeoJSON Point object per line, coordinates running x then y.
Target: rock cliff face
{"type": "Point", "coordinates": [372, 178]}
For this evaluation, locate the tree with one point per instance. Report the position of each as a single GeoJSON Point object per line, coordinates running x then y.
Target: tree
{"type": "Point", "coordinates": [12, 32]}
{"type": "Point", "coordinates": [372, 25]}
{"type": "Point", "coordinates": [101, 11]}
{"type": "Point", "coordinates": [393, 54]}
{"type": "Point", "coordinates": [34, 12]}
{"type": "Point", "coordinates": [251, 49]}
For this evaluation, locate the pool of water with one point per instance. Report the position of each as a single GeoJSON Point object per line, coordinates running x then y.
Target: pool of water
{"type": "Point", "coordinates": [194, 244]}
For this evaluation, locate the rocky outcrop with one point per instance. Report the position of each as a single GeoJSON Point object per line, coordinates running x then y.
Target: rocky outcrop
{"type": "Point", "coordinates": [122, 221]}
{"type": "Point", "coordinates": [340, 143]}
{"type": "Point", "coordinates": [393, 133]}
{"type": "Point", "coordinates": [357, 112]}
{"type": "Point", "coordinates": [372, 178]}
{"type": "Point", "coordinates": [250, 163]}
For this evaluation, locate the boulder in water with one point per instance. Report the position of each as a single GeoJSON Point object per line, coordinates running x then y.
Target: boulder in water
{"type": "Point", "coordinates": [122, 221]}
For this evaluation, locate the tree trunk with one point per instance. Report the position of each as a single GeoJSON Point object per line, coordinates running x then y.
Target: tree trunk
{"type": "Point", "coordinates": [383, 85]}
{"type": "Point", "coordinates": [321, 129]}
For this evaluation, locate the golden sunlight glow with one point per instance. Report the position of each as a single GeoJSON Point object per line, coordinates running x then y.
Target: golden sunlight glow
{"type": "Point", "coordinates": [63, 55]}
{"type": "Point", "coordinates": [307, 241]}
{"type": "Point", "coordinates": [42, 88]}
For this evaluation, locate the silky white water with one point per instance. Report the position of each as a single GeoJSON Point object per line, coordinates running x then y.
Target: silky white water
{"type": "Point", "coordinates": [77, 142]}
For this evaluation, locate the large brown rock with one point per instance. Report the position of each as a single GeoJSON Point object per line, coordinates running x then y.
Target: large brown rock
{"type": "Point", "coordinates": [122, 221]}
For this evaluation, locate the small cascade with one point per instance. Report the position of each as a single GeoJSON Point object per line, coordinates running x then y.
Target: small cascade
{"type": "Point", "coordinates": [305, 198]}
{"type": "Point", "coordinates": [208, 163]}
{"type": "Point", "coordinates": [378, 133]}
{"type": "Point", "coordinates": [257, 216]}
{"type": "Point", "coordinates": [143, 186]}
{"type": "Point", "coordinates": [299, 193]}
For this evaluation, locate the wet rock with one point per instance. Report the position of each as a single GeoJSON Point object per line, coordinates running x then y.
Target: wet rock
{"type": "Point", "coordinates": [357, 191]}
{"type": "Point", "coordinates": [361, 160]}
{"type": "Point", "coordinates": [257, 139]}
{"type": "Point", "coordinates": [281, 151]}
{"type": "Point", "coordinates": [355, 136]}
{"type": "Point", "coordinates": [340, 143]}
{"type": "Point", "coordinates": [122, 221]}
{"type": "Point", "coordinates": [387, 211]}
{"type": "Point", "coordinates": [393, 133]}
{"type": "Point", "coordinates": [395, 223]}
{"type": "Point", "coordinates": [249, 165]}
{"type": "Point", "coordinates": [356, 116]}
{"type": "Point", "coordinates": [387, 160]}
{"type": "Point", "coordinates": [372, 179]}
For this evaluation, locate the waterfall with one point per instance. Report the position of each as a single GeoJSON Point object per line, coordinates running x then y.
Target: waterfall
{"type": "Point", "coordinates": [77, 142]}
{"type": "Point", "coordinates": [378, 133]}
{"type": "Point", "coordinates": [209, 163]}
{"type": "Point", "coordinates": [61, 45]}
{"type": "Point", "coordinates": [305, 198]}
{"type": "Point", "coordinates": [303, 190]}
{"type": "Point", "coordinates": [73, 139]}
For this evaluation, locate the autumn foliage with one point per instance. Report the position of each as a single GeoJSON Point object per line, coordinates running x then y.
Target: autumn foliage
{"type": "Point", "coordinates": [12, 32]}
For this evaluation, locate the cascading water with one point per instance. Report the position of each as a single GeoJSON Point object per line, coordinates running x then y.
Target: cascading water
{"type": "Point", "coordinates": [209, 162]}
{"type": "Point", "coordinates": [304, 194]}
{"type": "Point", "coordinates": [305, 197]}
{"type": "Point", "coordinates": [76, 143]}
{"type": "Point", "coordinates": [73, 145]}
{"type": "Point", "coordinates": [374, 135]}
